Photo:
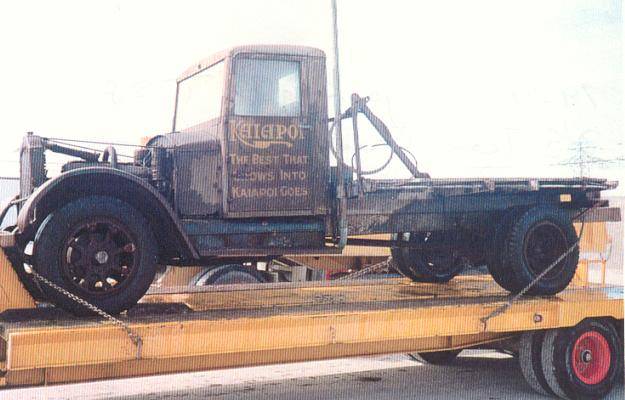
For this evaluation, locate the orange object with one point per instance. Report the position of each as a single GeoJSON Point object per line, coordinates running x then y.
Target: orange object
{"type": "Point", "coordinates": [595, 248]}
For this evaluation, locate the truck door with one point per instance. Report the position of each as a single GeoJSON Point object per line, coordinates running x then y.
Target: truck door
{"type": "Point", "coordinates": [276, 160]}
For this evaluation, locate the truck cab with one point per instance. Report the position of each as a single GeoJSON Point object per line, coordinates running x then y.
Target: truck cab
{"type": "Point", "coordinates": [250, 135]}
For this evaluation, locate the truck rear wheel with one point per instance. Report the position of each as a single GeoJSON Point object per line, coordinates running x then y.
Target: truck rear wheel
{"type": "Point", "coordinates": [434, 265]}
{"type": "Point", "coordinates": [536, 240]}
{"type": "Point", "coordinates": [99, 249]}
{"type": "Point", "coordinates": [583, 362]}
{"type": "Point", "coordinates": [497, 267]}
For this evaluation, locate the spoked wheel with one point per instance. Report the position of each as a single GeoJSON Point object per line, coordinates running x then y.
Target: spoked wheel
{"type": "Point", "coordinates": [99, 256]}
{"type": "Point", "coordinates": [430, 261]}
{"type": "Point", "coordinates": [99, 249]}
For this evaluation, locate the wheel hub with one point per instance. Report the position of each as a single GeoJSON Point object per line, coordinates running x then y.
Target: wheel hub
{"type": "Point", "coordinates": [543, 245]}
{"type": "Point", "coordinates": [101, 257]}
{"type": "Point", "coordinates": [591, 358]}
{"type": "Point", "coordinates": [586, 356]}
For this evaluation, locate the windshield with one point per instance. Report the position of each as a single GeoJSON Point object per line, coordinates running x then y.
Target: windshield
{"type": "Point", "coordinates": [199, 97]}
{"type": "Point", "coordinates": [267, 88]}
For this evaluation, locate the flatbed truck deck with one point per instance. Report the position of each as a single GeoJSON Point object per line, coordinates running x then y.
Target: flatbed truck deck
{"type": "Point", "coordinates": [193, 329]}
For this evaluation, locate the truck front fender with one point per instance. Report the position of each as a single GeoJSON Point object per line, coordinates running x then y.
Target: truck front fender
{"type": "Point", "coordinates": [106, 181]}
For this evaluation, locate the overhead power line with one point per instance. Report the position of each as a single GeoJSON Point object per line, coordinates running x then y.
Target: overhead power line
{"type": "Point", "coordinates": [582, 158]}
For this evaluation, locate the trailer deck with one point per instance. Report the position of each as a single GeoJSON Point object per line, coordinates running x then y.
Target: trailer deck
{"type": "Point", "coordinates": [219, 327]}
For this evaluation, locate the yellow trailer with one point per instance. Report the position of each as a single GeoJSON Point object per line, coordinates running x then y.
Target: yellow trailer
{"type": "Point", "coordinates": [176, 329]}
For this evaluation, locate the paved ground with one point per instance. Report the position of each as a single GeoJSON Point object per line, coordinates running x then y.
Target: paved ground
{"type": "Point", "coordinates": [474, 375]}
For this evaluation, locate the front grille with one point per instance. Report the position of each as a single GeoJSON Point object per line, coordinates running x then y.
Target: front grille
{"type": "Point", "coordinates": [32, 165]}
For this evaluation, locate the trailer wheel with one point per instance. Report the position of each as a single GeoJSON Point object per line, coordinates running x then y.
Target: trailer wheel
{"type": "Point", "coordinates": [426, 265]}
{"type": "Point", "coordinates": [444, 357]}
{"type": "Point", "coordinates": [583, 362]}
{"type": "Point", "coordinates": [530, 349]}
{"type": "Point", "coordinates": [537, 239]}
{"type": "Point", "coordinates": [228, 275]}
{"type": "Point", "coordinates": [495, 258]}
{"type": "Point", "coordinates": [99, 249]}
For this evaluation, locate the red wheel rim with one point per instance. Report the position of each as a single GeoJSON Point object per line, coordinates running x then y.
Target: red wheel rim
{"type": "Point", "coordinates": [591, 358]}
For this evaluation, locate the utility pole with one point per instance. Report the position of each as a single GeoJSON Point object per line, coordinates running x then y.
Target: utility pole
{"type": "Point", "coordinates": [580, 159]}
{"type": "Point", "coordinates": [340, 189]}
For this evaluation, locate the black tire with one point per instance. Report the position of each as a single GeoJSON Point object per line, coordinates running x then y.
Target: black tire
{"type": "Point", "coordinates": [424, 266]}
{"type": "Point", "coordinates": [399, 262]}
{"type": "Point", "coordinates": [438, 357]}
{"type": "Point", "coordinates": [228, 275]}
{"type": "Point", "coordinates": [537, 239]}
{"type": "Point", "coordinates": [112, 278]}
{"type": "Point", "coordinates": [530, 350]}
{"type": "Point", "coordinates": [583, 362]}
{"type": "Point", "coordinates": [495, 262]}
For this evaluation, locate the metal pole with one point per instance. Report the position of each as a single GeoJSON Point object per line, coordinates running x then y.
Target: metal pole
{"type": "Point", "coordinates": [340, 190]}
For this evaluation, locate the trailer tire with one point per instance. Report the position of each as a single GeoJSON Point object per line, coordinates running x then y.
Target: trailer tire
{"type": "Point", "coordinates": [583, 362]}
{"type": "Point", "coordinates": [99, 249]}
{"type": "Point", "coordinates": [537, 239]}
{"type": "Point", "coordinates": [496, 262]}
{"type": "Point", "coordinates": [530, 361]}
{"type": "Point", "coordinates": [444, 357]}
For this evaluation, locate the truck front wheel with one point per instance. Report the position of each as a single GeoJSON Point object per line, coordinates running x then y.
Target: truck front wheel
{"type": "Point", "coordinates": [99, 249]}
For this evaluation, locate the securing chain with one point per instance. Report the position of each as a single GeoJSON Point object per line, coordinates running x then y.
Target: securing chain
{"type": "Point", "coordinates": [390, 263]}
{"type": "Point", "coordinates": [134, 337]}
{"type": "Point", "coordinates": [367, 270]}
{"type": "Point", "coordinates": [503, 308]}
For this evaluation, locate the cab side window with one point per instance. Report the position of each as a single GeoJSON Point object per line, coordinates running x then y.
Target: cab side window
{"type": "Point", "coordinates": [267, 88]}
{"type": "Point", "coordinates": [199, 97]}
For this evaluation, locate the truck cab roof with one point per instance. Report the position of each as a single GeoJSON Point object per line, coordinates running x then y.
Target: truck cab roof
{"type": "Point", "coordinates": [256, 48]}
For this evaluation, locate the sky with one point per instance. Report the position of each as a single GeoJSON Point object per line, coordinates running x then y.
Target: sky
{"type": "Point", "coordinates": [480, 88]}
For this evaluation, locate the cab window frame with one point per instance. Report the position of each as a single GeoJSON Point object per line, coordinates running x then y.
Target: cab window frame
{"type": "Point", "coordinates": [267, 58]}
{"type": "Point", "coordinates": [224, 74]}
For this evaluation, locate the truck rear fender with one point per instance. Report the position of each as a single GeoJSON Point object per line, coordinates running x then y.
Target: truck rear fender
{"type": "Point", "coordinates": [105, 181]}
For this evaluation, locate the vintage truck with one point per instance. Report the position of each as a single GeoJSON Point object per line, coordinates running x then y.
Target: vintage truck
{"type": "Point", "coordinates": [249, 172]}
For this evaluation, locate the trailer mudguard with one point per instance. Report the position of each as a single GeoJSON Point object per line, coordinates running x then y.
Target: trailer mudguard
{"type": "Point", "coordinates": [106, 181]}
